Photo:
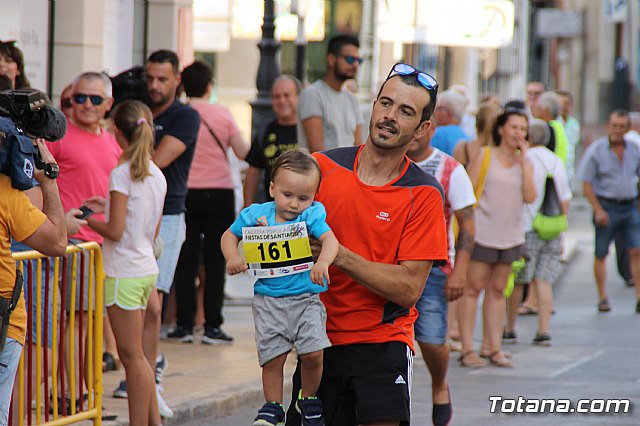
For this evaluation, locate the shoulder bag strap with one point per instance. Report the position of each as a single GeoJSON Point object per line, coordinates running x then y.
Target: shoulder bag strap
{"type": "Point", "coordinates": [224, 151]}
{"type": "Point", "coordinates": [484, 170]}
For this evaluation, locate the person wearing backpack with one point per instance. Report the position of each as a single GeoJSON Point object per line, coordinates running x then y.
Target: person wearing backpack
{"type": "Point", "coordinates": [543, 245]}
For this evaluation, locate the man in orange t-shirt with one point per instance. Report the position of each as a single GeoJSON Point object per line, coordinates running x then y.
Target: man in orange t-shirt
{"type": "Point", "coordinates": [388, 216]}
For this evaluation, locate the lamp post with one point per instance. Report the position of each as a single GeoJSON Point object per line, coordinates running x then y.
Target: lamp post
{"type": "Point", "coordinates": [299, 8]}
{"type": "Point", "coordinates": [268, 70]}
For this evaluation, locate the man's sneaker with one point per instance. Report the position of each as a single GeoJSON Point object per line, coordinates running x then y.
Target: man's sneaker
{"type": "Point", "coordinates": [182, 334]}
{"type": "Point", "coordinates": [215, 335]}
{"type": "Point", "coordinates": [310, 410]}
{"type": "Point", "coordinates": [509, 337]}
{"type": "Point", "coordinates": [543, 339]}
{"type": "Point", "coordinates": [121, 390]}
{"type": "Point", "coordinates": [165, 329]}
{"type": "Point", "coordinates": [271, 414]}
{"type": "Point", "coordinates": [161, 366]}
{"type": "Point", "coordinates": [164, 409]}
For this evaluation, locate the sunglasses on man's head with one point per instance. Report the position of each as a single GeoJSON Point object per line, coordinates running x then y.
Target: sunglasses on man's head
{"type": "Point", "coordinates": [66, 103]}
{"type": "Point", "coordinates": [352, 59]}
{"type": "Point", "coordinates": [425, 80]}
{"type": "Point", "coordinates": [81, 98]}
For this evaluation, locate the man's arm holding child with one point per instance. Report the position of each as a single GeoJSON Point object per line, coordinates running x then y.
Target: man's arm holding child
{"type": "Point", "coordinates": [401, 284]}
{"type": "Point", "coordinates": [328, 253]}
{"type": "Point", "coordinates": [229, 245]}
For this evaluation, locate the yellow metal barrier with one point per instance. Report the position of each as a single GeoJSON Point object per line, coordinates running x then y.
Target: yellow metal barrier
{"type": "Point", "coordinates": [33, 397]}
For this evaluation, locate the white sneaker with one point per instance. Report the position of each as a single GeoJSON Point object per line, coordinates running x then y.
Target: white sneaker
{"type": "Point", "coordinates": [164, 409]}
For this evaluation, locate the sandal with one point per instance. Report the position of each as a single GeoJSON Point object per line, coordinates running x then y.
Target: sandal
{"type": "Point", "coordinates": [526, 310]}
{"type": "Point", "coordinates": [487, 355]}
{"type": "Point", "coordinates": [109, 362]}
{"type": "Point", "coordinates": [471, 359]}
{"type": "Point", "coordinates": [454, 345]}
{"type": "Point", "coordinates": [499, 359]}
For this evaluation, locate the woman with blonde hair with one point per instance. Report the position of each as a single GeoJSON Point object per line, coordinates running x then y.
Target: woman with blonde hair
{"type": "Point", "coordinates": [486, 116]}
{"type": "Point", "coordinates": [137, 189]}
{"type": "Point", "coordinates": [465, 152]}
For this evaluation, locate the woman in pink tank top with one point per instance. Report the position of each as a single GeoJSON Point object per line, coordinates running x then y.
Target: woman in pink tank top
{"type": "Point", "coordinates": [500, 235]}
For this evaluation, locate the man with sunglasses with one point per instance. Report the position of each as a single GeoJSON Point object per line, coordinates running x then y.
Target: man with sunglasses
{"type": "Point", "coordinates": [86, 155]}
{"type": "Point", "coordinates": [328, 116]}
{"type": "Point", "coordinates": [388, 215]}
{"type": "Point", "coordinates": [88, 152]}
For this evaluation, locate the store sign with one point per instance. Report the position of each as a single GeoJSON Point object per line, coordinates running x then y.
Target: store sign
{"type": "Point", "coordinates": [558, 23]}
{"type": "Point", "coordinates": [466, 23]}
{"type": "Point", "coordinates": [27, 22]}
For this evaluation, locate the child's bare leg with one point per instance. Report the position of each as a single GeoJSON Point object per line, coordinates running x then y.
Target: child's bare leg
{"type": "Point", "coordinates": [272, 378]}
{"type": "Point", "coordinates": [311, 373]}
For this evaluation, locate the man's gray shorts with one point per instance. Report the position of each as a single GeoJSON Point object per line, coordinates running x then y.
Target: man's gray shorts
{"type": "Point", "coordinates": [284, 322]}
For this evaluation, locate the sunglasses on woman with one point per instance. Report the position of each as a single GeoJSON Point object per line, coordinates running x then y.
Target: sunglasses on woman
{"type": "Point", "coordinates": [81, 98]}
{"type": "Point", "coordinates": [66, 103]}
{"type": "Point", "coordinates": [425, 80]}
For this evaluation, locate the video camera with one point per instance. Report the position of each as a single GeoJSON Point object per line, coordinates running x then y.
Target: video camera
{"type": "Point", "coordinates": [26, 114]}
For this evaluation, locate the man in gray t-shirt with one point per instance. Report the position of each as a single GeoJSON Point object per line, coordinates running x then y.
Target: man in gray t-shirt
{"type": "Point", "coordinates": [609, 171]}
{"type": "Point", "coordinates": [329, 117]}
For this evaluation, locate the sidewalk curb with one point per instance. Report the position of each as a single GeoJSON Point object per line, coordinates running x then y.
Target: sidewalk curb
{"type": "Point", "coordinates": [206, 408]}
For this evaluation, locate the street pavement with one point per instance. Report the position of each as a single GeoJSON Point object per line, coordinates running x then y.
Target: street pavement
{"type": "Point", "coordinates": [594, 355]}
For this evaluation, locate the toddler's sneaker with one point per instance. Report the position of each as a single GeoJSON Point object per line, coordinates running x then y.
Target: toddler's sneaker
{"type": "Point", "coordinates": [121, 390]}
{"type": "Point", "coordinates": [310, 410]}
{"type": "Point", "coordinates": [271, 414]}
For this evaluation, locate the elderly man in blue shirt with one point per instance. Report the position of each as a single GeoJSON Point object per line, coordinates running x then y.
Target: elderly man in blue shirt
{"type": "Point", "coordinates": [609, 171]}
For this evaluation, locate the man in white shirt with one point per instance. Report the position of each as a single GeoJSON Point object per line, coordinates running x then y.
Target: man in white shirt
{"type": "Point", "coordinates": [445, 283]}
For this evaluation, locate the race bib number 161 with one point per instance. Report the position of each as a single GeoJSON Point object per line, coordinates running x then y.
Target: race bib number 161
{"type": "Point", "coordinates": [275, 251]}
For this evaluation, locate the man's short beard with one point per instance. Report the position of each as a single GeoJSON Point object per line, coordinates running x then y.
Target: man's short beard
{"type": "Point", "coordinates": [401, 143]}
{"type": "Point", "coordinates": [162, 101]}
{"type": "Point", "coordinates": [341, 76]}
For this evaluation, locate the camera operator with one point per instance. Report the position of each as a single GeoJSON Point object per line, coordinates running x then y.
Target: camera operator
{"type": "Point", "coordinates": [44, 231]}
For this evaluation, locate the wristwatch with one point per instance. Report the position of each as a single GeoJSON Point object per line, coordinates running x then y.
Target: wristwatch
{"type": "Point", "coordinates": [51, 170]}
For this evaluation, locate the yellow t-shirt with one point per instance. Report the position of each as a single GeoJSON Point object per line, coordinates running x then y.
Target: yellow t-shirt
{"type": "Point", "coordinates": [18, 219]}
